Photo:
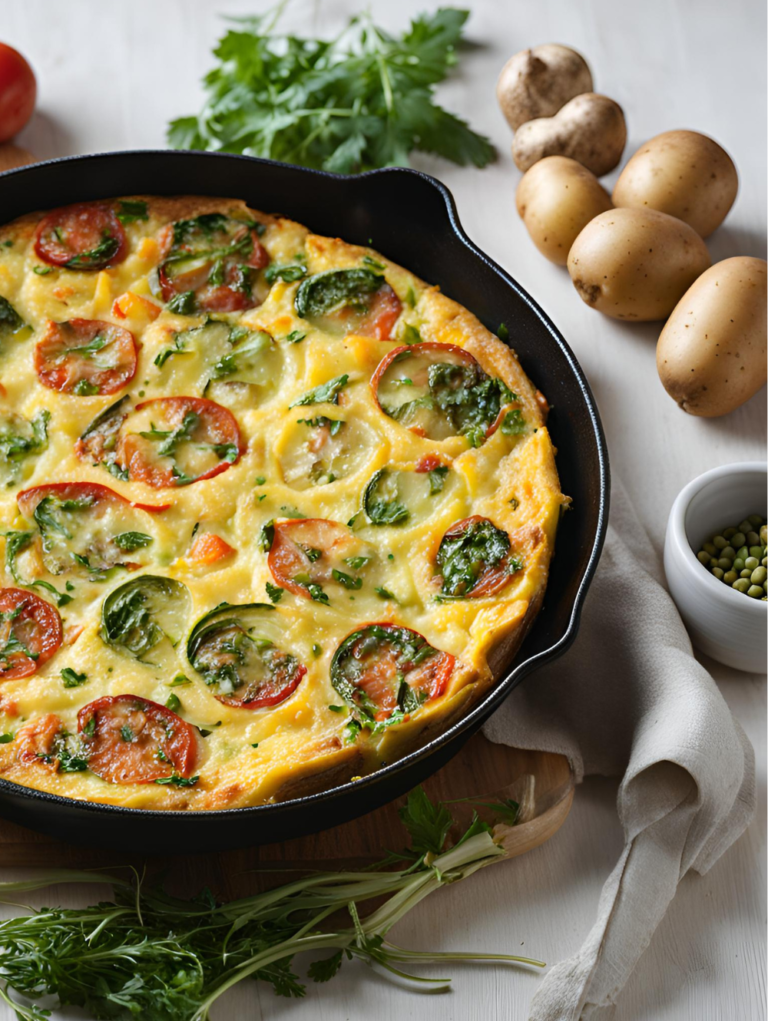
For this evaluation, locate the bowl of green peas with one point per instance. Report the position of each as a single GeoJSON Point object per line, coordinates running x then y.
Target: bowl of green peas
{"type": "Point", "coordinates": [716, 563]}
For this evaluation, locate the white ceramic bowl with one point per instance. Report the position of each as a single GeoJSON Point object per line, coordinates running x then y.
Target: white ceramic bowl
{"type": "Point", "coordinates": [725, 624]}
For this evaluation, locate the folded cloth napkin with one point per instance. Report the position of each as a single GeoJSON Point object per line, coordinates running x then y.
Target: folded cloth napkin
{"type": "Point", "coordinates": [629, 699]}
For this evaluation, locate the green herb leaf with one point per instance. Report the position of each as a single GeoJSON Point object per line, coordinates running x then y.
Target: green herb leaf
{"type": "Point", "coordinates": [173, 702]}
{"type": "Point", "coordinates": [130, 541]}
{"type": "Point", "coordinates": [327, 393]}
{"type": "Point", "coordinates": [362, 101]}
{"type": "Point", "coordinates": [427, 823]}
{"type": "Point", "coordinates": [131, 210]}
{"type": "Point", "coordinates": [71, 678]}
{"type": "Point", "coordinates": [274, 592]}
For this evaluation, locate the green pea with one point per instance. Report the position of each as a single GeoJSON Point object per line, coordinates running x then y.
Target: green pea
{"type": "Point", "coordinates": [729, 552]}
{"type": "Point", "coordinates": [756, 520]}
{"type": "Point", "coordinates": [719, 542]}
{"type": "Point", "coordinates": [738, 539]}
{"type": "Point", "coordinates": [728, 533]}
{"type": "Point", "coordinates": [746, 573]}
{"type": "Point", "coordinates": [741, 585]}
{"type": "Point", "coordinates": [758, 576]}
{"type": "Point", "coordinates": [743, 552]}
{"type": "Point", "coordinates": [725, 562]}
{"type": "Point", "coordinates": [745, 526]}
{"type": "Point", "coordinates": [752, 538]}
{"type": "Point", "coordinates": [764, 561]}
{"type": "Point", "coordinates": [710, 548]}
{"type": "Point", "coordinates": [738, 564]}
{"type": "Point", "coordinates": [751, 563]}
{"type": "Point", "coordinates": [718, 573]}
{"type": "Point", "coordinates": [731, 576]}
{"type": "Point", "coordinates": [756, 551]}
{"type": "Point", "coordinates": [704, 557]}
{"type": "Point", "coordinates": [756, 591]}
{"type": "Point", "coordinates": [763, 533]}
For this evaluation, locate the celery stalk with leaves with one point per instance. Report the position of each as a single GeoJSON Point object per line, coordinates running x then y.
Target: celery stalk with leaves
{"type": "Point", "coordinates": [354, 103]}
{"type": "Point", "coordinates": [148, 955]}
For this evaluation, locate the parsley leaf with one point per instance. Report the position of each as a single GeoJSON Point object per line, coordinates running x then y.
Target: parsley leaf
{"type": "Point", "coordinates": [361, 101]}
{"type": "Point", "coordinates": [327, 393]}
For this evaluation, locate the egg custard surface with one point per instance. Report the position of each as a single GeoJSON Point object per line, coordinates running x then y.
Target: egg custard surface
{"type": "Point", "coordinates": [274, 511]}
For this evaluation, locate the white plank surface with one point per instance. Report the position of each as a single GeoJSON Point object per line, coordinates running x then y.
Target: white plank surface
{"type": "Point", "coordinates": [111, 76]}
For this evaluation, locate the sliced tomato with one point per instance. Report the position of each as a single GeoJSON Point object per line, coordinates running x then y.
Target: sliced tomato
{"type": "Point", "coordinates": [128, 739]}
{"type": "Point", "coordinates": [475, 559]}
{"type": "Point", "coordinates": [86, 357]}
{"type": "Point", "coordinates": [209, 263]}
{"type": "Point", "coordinates": [383, 668]}
{"type": "Point", "coordinates": [440, 390]}
{"type": "Point", "coordinates": [30, 633]}
{"type": "Point", "coordinates": [35, 740]}
{"type": "Point", "coordinates": [236, 650]}
{"type": "Point", "coordinates": [93, 492]}
{"type": "Point", "coordinates": [312, 557]}
{"type": "Point", "coordinates": [86, 527]}
{"type": "Point", "coordinates": [175, 441]}
{"type": "Point", "coordinates": [348, 301]}
{"type": "Point", "coordinates": [85, 236]}
{"type": "Point", "coordinates": [99, 441]}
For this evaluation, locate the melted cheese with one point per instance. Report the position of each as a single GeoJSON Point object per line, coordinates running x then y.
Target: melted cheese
{"type": "Point", "coordinates": [290, 468]}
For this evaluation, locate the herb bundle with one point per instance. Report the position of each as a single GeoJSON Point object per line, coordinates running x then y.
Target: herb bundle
{"type": "Point", "coordinates": [354, 103]}
{"type": "Point", "coordinates": [150, 955]}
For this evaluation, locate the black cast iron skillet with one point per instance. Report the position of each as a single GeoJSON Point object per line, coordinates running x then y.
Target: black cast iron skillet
{"type": "Point", "coordinates": [411, 218]}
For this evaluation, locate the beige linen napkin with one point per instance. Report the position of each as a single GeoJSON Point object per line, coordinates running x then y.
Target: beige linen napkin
{"type": "Point", "coordinates": [629, 699]}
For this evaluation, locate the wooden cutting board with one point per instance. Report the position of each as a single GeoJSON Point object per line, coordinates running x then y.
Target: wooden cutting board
{"type": "Point", "coordinates": [541, 782]}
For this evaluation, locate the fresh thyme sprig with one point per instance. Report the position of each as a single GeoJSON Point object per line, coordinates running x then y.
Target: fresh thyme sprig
{"type": "Point", "coordinates": [150, 955]}
{"type": "Point", "coordinates": [360, 101]}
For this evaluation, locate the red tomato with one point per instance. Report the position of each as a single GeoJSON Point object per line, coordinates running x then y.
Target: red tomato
{"type": "Point", "coordinates": [232, 292]}
{"type": "Point", "coordinates": [131, 740]}
{"type": "Point", "coordinates": [30, 633]}
{"type": "Point", "coordinates": [375, 660]}
{"type": "Point", "coordinates": [85, 357]}
{"type": "Point", "coordinates": [207, 442]}
{"type": "Point", "coordinates": [18, 91]}
{"type": "Point", "coordinates": [85, 236]}
{"type": "Point", "coordinates": [28, 499]}
{"type": "Point", "coordinates": [35, 739]}
{"type": "Point", "coordinates": [489, 578]}
{"type": "Point", "coordinates": [309, 549]}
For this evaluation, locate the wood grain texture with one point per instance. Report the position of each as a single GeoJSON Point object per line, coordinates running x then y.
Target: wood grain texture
{"type": "Point", "coordinates": [696, 64]}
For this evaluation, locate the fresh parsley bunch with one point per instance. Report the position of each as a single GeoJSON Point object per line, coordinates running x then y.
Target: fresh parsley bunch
{"type": "Point", "coordinates": [357, 102]}
{"type": "Point", "coordinates": [148, 955]}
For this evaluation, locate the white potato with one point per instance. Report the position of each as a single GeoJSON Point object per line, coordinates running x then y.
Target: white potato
{"type": "Point", "coordinates": [537, 82]}
{"type": "Point", "coordinates": [683, 173]}
{"type": "Point", "coordinates": [556, 199]}
{"type": "Point", "coordinates": [590, 129]}
{"type": "Point", "coordinates": [711, 354]}
{"type": "Point", "coordinates": [636, 264]}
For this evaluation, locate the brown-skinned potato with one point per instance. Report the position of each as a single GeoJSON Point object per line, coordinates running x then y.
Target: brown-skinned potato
{"type": "Point", "coordinates": [590, 129]}
{"type": "Point", "coordinates": [556, 199]}
{"type": "Point", "coordinates": [539, 81]}
{"type": "Point", "coordinates": [636, 264]}
{"type": "Point", "coordinates": [711, 354]}
{"type": "Point", "coordinates": [683, 173]}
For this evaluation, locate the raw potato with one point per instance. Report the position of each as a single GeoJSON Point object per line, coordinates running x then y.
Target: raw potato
{"type": "Point", "coordinates": [14, 156]}
{"type": "Point", "coordinates": [636, 263]}
{"type": "Point", "coordinates": [711, 354]}
{"type": "Point", "coordinates": [537, 82]}
{"type": "Point", "coordinates": [590, 129]}
{"type": "Point", "coordinates": [682, 173]}
{"type": "Point", "coordinates": [556, 198]}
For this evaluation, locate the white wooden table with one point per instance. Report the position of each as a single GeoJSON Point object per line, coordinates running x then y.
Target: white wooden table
{"type": "Point", "coordinates": [112, 74]}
